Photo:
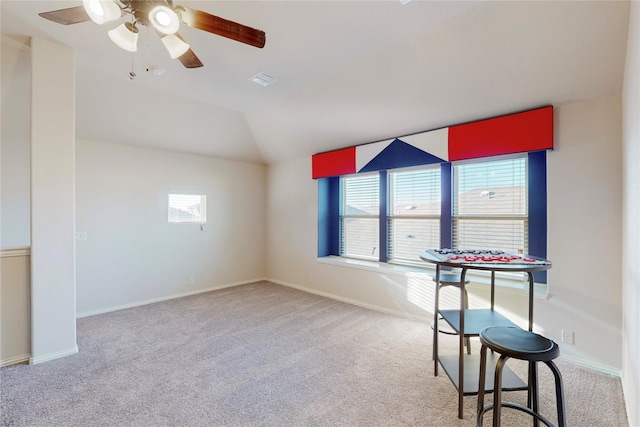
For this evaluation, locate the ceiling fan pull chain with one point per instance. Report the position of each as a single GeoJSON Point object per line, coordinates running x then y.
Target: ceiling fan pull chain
{"type": "Point", "coordinates": [146, 52]}
{"type": "Point", "coordinates": [132, 74]}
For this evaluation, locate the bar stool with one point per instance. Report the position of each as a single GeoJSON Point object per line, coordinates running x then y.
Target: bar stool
{"type": "Point", "coordinates": [452, 279]}
{"type": "Point", "coordinates": [516, 343]}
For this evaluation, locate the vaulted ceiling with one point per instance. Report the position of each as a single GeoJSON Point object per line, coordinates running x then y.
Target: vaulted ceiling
{"type": "Point", "coordinates": [350, 72]}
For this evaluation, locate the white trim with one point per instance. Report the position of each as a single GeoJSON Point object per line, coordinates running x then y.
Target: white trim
{"type": "Point", "coordinates": [376, 267]}
{"type": "Point", "coordinates": [478, 280]}
{"type": "Point", "coordinates": [11, 252]}
{"type": "Point", "coordinates": [15, 360]}
{"type": "Point", "coordinates": [53, 356]}
{"type": "Point", "coordinates": [352, 301]}
{"type": "Point", "coordinates": [587, 364]}
{"type": "Point", "coordinates": [591, 365]}
{"type": "Point", "coordinates": [165, 298]}
{"type": "Point", "coordinates": [398, 270]}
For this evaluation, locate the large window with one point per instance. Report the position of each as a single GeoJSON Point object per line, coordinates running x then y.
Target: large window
{"type": "Point", "coordinates": [359, 214]}
{"type": "Point", "coordinates": [392, 216]}
{"type": "Point", "coordinates": [490, 205]}
{"type": "Point", "coordinates": [414, 213]}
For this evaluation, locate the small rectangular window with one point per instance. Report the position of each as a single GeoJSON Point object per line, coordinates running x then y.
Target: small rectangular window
{"type": "Point", "coordinates": [187, 208]}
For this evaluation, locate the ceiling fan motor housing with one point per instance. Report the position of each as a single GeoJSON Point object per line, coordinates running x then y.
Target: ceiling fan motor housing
{"type": "Point", "coordinates": [140, 9]}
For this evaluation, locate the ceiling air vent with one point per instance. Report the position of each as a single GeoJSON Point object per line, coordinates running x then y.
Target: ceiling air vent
{"type": "Point", "coordinates": [263, 79]}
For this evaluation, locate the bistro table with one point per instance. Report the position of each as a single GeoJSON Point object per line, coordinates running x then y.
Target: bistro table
{"type": "Point", "coordinates": [469, 322]}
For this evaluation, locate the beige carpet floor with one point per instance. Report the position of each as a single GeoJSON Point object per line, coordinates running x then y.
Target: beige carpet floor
{"type": "Point", "coordinates": [267, 355]}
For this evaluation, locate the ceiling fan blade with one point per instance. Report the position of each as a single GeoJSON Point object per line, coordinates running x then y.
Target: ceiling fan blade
{"type": "Point", "coordinates": [223, 27]}
{"type": "Point", "coordinates": [190, 60]}
{"type": "Point", "coordinates": [71, 15]}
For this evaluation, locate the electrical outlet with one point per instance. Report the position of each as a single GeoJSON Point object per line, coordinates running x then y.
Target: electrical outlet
{"type": "Point", "coordinates": [567, 337]}
{"type": "Point", "coordinates": [191, 280]}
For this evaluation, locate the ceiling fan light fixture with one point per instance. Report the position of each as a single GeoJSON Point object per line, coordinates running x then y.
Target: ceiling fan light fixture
{"type": "Point", "coordinates": [125, 36]}
{"type": "Point", "coordinates": [164, 19]}
{"type": "Point", "coordinates": [176, 46]}
{"type": "Point", "coordinates": [101, 11]}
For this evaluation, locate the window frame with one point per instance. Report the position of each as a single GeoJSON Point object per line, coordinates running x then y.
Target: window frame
{"type": "Point", "coordinates": [457, 194]}
{"type": "Point", "coordinates": [390, 216]}
{"type": "Point", "coordinates": [173, 219]}
{"type": "Point", "coordinates": [344, 216]}
{"type": "Point", "coordinates": [329, 205]}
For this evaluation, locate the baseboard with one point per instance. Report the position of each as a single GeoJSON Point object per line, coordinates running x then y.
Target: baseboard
{"type": "Point", "coordinates": [15, 360]}
{"type": "Point", "coordinates": [351, 301]}
{"type": "Point", "coordinates": [53, 356]}
{"type": "Point", "coordinates": [598, 367]}
{"type": "Point", "coordinates": [165, 298]}
{"type": "Point", "coordinates": [593, 366]}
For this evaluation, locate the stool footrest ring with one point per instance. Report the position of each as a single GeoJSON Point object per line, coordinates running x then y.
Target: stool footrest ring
{"type": "Point", "coordinates": [512, 406]}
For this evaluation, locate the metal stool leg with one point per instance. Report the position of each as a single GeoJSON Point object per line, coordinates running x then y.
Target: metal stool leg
{"type": "Point", "coordinates": [532, 395]}
{"type": "Point", "coordinates": [466, 305]}
{"type": "Point", "coordinates": [467, 340]}
{"type": "Point", "coordinates": [481, 381]}
{"type": "Point", "coordinates": [559, 393]}
{"type": "Point", "coordinates": [513, 342]}
{"type": "Point", "coordinates": [497, 390]}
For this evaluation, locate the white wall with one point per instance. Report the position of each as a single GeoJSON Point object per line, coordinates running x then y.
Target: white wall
{"type": "Point", "coordinates": [53, 303]}
{"type": "Point", "coordinates": [631, 224]}
{"type": "Point", "coordinates": [584, 210]}
{"type": "Point", "coordinates": [584, 232]}
{"type": "Point", "coordinates": [15, 204]}
{"type": "Point", "coordinates": [292, 219]}
{"type": "Point", "coordinates": [132, 255]}
{"type": "Point", "coordinates": [15, 144]}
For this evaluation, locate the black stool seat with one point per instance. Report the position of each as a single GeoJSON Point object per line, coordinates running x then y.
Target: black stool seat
{"type": "Point", "coordinates": [516, 343]}
{"type": "Point", "coordinates": [519, 344]}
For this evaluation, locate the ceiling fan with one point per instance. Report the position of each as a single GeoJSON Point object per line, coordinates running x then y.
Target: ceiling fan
{"type": "Point", "coordinates": [163, 17]}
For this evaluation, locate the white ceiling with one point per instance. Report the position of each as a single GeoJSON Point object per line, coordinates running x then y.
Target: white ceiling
{"type": "Point", "coordinates": [350, 72]}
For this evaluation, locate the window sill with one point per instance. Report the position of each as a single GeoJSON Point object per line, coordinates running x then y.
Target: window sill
{"type": "Point", "coordinates": [477, 279]}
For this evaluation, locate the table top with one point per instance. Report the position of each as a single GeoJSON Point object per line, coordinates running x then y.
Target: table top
{"type": "Point", "coordinates": [478, 260]}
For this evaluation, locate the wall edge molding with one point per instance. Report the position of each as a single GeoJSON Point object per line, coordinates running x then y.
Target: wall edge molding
{"type": "Point", "coordinates": [14, 360]}
{"type": "Point", "coordinates": [584, 363]}
{"type": "Point", "coordinates": [113, 308]}
{"type": "Point", "coordinates": [53, 356]}
{"type": "Point", "coordinates": [14, 252]}
{"type": "Point", "coordinates": [591, 365]}
{"type": "Point", "coordinates": [351, 301]}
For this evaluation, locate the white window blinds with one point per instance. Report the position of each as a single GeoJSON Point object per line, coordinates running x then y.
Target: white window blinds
{"type": "Point", "coordinates": [414, 217]}
{"type": "Point", "coordinates": [490, 205]}
{"type": "Point", "coordinates": [360, 210]}
{"type": "Point", "coordinates": [187, 208]}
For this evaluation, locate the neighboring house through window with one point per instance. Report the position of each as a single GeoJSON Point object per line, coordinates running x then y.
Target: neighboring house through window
{"type": "Point", "coordinates": [187, 208]}
{"type": "Point", "coordinates": [392, 216]}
